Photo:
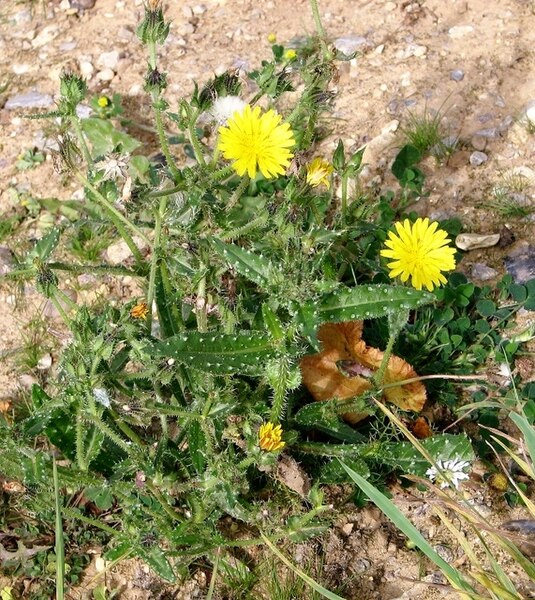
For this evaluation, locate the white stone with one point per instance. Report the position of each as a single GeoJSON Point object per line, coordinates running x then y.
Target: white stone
{"type": "Point", "coordinates": [45, 36]}
{"type": "Point", "coordinates": [105, 75]}
{"type": "Point", "coordinates": [459, 31]}
{"type": "Point", "coordinates": [108, 60]}
{"type": "Point", "coordinates": [86, 69]}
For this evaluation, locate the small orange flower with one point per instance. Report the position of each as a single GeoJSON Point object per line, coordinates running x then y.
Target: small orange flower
{"type": "Point", "coordinates": [139, 311]}
{"type": "Point", "coordinates": [269, 437]}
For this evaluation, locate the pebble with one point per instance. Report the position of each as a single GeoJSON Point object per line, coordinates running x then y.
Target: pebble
{"type": "Point", "coordinates": [108, 60]}
{"type": "Point", "coordinates": [33, 99]}
{"type": "Point", "coordinates": [67, 46]}
{"type": "Point", "coordinates": [483, 272]}
{"type": "Point", "coordinates": [20, 69]}
{"type": "Point", "coordinates": [350, 44]}
{"type": "Point", "coordinates": [83, 4]}
{"type": "Point", "coordinates": [473, 241]}
{"type": "Point", "coordinates": [530, 112]}
{"type": "Point", "coordinates": [520, 262]}
{"type": "Point", "coordinates": [6, 260]}
{"type": "Point", "coordinates": [459, 31]}
{"type": "Point", "coordinates": [491, 133]}
{"type": "Point", "coordinates": [457, 75]}
{"type": "Point", "coordinates": [45, 362]}
{"type": "Point", "coordinates": [477, 158]}
{"type": "Point", "coordinates": [51, 312]}
{"type": "Point", "coordinates": [105, 75]}
{"type": "Point", "coordinates": [44, 37]}
{"type": "Point", "coordinates": [22, 16]}
{"type": "Point", "coordinates": [86, 69]}
{"type": "Point", "coordinates": [84, 111]}
{"type": "Point", "coordinates": [119, 252]}
{"type": "Point", "coordinates": [479, 142]}
{"type": "Point", "coordinates": [199, 9]}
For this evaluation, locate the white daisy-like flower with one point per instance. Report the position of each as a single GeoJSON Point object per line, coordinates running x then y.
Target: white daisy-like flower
{"type": "Point", "coordinates": [454, 472]}
{"type": "Point", "coordinates": [225, 107]}
{"type": "Point", "coordinates": [102, 397]}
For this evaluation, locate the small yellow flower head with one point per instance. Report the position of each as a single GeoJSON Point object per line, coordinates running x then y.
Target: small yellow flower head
{"type": "Point", "coordinates": [139, 311]}
{"type": "Point", "coordinates": [290, 54]}
{"type": "Point", "coordinates": [271, 38]}
{"type": "Point", "coordinates": [318, 172]}
{"type": "Point", "coordinates": [419, 251]}
{"type": "Point", "coordinates": [103, 101]}
{"type": "Point", "coordinates": [269, 437]}
{"type": "Point", "coordinates": [257, 141]}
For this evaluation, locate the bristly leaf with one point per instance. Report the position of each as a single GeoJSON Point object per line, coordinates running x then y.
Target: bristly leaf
{"type": "Point", "coordinates": [46, 245]}
{"type": "Point", "coordinates": [256, 268]}
{"type": "Point", "coordinates": [358, 303]}
{"type": "Point", "coordinates": [245, 352]}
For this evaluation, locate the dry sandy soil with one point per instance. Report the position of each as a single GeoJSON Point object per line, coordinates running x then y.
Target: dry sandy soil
{"type": "Point", "coordinates": [471, 59]}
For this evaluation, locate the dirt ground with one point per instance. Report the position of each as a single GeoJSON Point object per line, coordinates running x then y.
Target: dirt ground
{"type": "Point", "coordinates": [471, 59]}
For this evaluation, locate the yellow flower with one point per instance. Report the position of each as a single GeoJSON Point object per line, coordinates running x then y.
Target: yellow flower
{"type": "Point", "coordinates": [257, 141]}
{"type": "Point", "coordinates": [318, 172]}
{"type": "Point", "coordinates": [271, 38]}
{"type": "Point", "coordinates": [290, 54]}
{"type": "Point", "coordinates": [103, 101]}
{"type": "Point", "coordinates": [269, 437]}
{"type": "Point", "coordinates": [139, 311]}
{"type": "Point", "coordinates": [419, 251]}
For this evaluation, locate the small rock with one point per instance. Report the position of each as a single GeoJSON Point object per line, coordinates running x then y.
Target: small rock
{"type": "Point", "coordinates": [51, 312]}
{"type": "Point", "coordinates": [108, 60]}
{"type": "Point", "coordinates": [20, 69]}
{"type": "Point", "coordinates": [530, 112]}
{"type": "Point", "coordinates": [45, 362]}
{"type": "Point", "coordinates": [349, 45]}
{"type": "Point", "coordinates": [33, 99]}
{"type": "Point", "coordinates": [23, 16]}
{"type": "Point", "coordinates": [68, 46]}
{"type": "Point", "coordinates": [119, 252]}
{"type": "Point", "coordinates": [199, 9]}
{"type": "Point", "coordinates": [83, 111]}
{"type": "Point", "coordinates": [83, 4]}
{"type": "Point", "coordinates": [483, 272]}
{"type": "Point", "coordinates": [44, 37]}
{"type": "Point", "coordinates": [86, 69]}
{"type": "Point", "coordinates": [27, 381]}
{"type": "Point", "coordinates": [105, 75]}
{"type": "Point", "coordinates": [347, 529]}
{"type": "Point", "coordinates": [457, 75]}
{"type": "Point", "coordinates": [477, 158]}
{"type": "Point", "coordinates": [520, 262]}
{"type": "Point", "coordinates": [479, 142]}
{"type": "Point", "coordinates": [444, 552]}
{"type": "Point", "coordinates": [64, 5]}
{"type": "Point", "coordinates": [6, 260]}
{"type": "Point", "coordinates": [460, 31]}
{"type": "Point", "coordinates": [473, 241]}
{"type": "Point", "coordinates": [490, 133]}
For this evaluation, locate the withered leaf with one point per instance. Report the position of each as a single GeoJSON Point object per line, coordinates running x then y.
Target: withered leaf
{"type": "Point", "coordinates": [342, 346]}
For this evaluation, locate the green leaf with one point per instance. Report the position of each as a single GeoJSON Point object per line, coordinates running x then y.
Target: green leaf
{"type": "Point", "coordinates": [442, 447]}
{"type": "Point", "coordinates": [197, 446]}
{"type": "Point", "coordinates": [105, 138]}
{"type": "Point", "coordinates": [333, 472]}
{"type": "Point", "coordinates": [358, 303]}
{"type": "Point", "coordinates": [46, 245]}
{"type": "Point", "coordinates": [157, 560]}
{"type": "Point", "coordinates": [325, 416]}
{"type": "Point", "coordinates": [245, 352]}
{"type": "Point", "coordinates": [408, 156]}
{"type": "Point", "coordinates": [252, 266]}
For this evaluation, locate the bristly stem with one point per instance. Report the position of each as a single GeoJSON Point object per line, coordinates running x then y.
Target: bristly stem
{"type": "Point", "coordinates": [319, 28]}
{"type": "Point", "coordinates": [379, 375]}
{"type": "Point", "coordinates": [75, 122]}
{"type": "Point", "coordinates": [155, 258]}
{"type": "Point", "coordinates": [194, 140]}
{"type": "Point", "coordinates": [238, 192]}
{"type": "Point", "coordinates": [344, 199]}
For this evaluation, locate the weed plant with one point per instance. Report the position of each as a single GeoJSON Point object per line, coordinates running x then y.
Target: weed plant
{"type": "Point", "coordinates": [164, 428]}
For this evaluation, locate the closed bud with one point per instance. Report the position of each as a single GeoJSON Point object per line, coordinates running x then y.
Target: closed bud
{"type": "Point", "coordinates": [153, 29]}
{"type": "Point", "coordinates": [73, 90]}
{"type": "Point", "coordinates": [339, 159]}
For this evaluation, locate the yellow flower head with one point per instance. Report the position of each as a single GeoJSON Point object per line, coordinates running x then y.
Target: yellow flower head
{"type": "Point", "coordinates": [419, 251]}
{"type": "Point", "coordinates": [269, 437]}
{"type": "Point", "coordinates": [318, 172]}
{"type": "Point", "coordinates": [103, 101]}
{"type": "Point", "coordinates": [139, 311]}
{"type": "Point", "coordinates": [271, 38]}
{"type": "Point", "coordinates": [257, 141]}
{"type": "Point", "coordinates": [290, 54]}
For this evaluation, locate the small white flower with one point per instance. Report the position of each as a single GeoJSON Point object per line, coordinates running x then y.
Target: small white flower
{"type": "Point", "coordinates": [454, 471]}
{"type": "Point", "coordinates": [102, 397]}
{"type": "Point", "coordinates": [115, 166]}
{"type": "Point", "coordinates": [225, 107]}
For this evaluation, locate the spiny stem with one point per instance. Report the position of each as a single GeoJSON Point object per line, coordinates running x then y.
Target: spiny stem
{"type": "Point", "coordinates": [155, 258]}
{"type": "Point", "coordinates": [175, 172]}
{"type": "Point", "coordinates": [344, 198]}
{"type": "Point", "coordinates": [75, 122]}
{"type": "Point", "coordinates": [379, 375]}
{"type": "Point", "coordinates": [168, 191]}
{"type": "Point", "coordinates": [117, 270]}
{"type": "Point", "coordinates": [238, 192]}
{"type": "Point", "coordinates": [200, 309]}
{"type": "Point", "coordinates": [194, 140]}
{"type": "Point", "coordinates": [319, 28]}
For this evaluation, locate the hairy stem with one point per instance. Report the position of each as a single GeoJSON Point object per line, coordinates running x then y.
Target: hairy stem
{"type": "Point", "coordinates": [238, 192]}
{"type": "Point", "coordinates": [155, 258]}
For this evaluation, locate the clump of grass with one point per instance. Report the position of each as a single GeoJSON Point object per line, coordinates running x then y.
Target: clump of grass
{"type": "Point", "coordinates": [427, 134]}
{"type": "Point", "coordinates": [511, 195]}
